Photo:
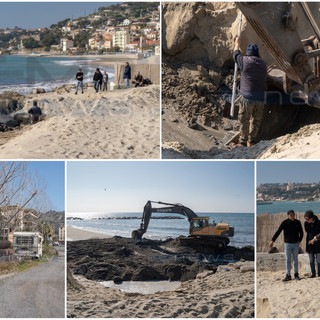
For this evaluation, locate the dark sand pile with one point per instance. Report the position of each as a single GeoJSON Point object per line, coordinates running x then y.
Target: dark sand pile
{"type": "Point", "coordinates": [119, 259]}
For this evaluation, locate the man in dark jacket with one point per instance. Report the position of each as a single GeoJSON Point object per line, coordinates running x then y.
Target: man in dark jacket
{"type": "Point", "coordinates": [312, 227]}
{"type": "Point", "coordinates": [79, 77]}
{"type": "Point", "coordinates": [127, 74]}
{"type": "Point", "coordinates": [252, 89]}
{"type": "Point", "coordinates": [293, 235]}
{"type": "Point", "coordinates": [35, 113]}
{"type": "Point", "coordinates": [97, 78]}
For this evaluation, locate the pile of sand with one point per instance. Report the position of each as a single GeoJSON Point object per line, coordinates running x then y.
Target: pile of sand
{"type": "Point", "coordinates": [118, 124]}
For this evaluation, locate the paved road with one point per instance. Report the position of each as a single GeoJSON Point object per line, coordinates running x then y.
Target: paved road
{"type": "Point", "coordinates": [36, 293]}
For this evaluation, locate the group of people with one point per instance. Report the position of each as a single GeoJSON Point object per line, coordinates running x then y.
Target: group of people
{"type": "Point", "coordinates": [100, 80]}
{"type": "Point", "coordinates": [293, 235]}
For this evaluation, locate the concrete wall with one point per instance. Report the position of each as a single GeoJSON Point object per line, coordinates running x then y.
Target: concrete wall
{"type": "Point", "coordinates": [151, 71]}
{"type": "Point", "coordinates": [267, 225]}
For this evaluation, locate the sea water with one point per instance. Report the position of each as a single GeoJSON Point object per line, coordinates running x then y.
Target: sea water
{"type": "Point", "coordinates": [143, 287]}
{"type": "Point", "coordinates": [160, 229]}
{"type": "Point", "coordinates": [23, 74]}
{"type": "Point", "coordinates": [284, 206]}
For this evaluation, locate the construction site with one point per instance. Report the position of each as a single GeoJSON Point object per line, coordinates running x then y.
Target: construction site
{"type": "Point", "coordinates": [198, 41]}
{"type": "Point", "coordinates": [209, 283]}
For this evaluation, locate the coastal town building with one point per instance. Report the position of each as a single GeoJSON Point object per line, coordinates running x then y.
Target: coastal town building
{"type": "Point", "coordinates": [62, 232]}
{"type": "Point", "coordinates": [14, 218]}
{"type": "Point", "coordinates": [121, 38]}
{"type": "Point", "coordinates": [66, 44]}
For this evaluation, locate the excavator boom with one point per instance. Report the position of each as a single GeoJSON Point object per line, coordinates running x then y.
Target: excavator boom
{"type": "Point", "coordinates": [277, 25]}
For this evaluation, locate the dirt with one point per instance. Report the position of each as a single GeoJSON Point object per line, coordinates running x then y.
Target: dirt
{"type": "Point", "coordinates": [197, 76]}
{"type": "Point", "coordinates": [119, 259]}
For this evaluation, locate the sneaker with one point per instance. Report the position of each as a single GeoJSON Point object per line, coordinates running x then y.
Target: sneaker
{"type": "Point", "coordinates": [287, 278]}
{"type": "Point", "coordinates": [312, 276]}
{"type": "Point", "coordinates": [296, 276]}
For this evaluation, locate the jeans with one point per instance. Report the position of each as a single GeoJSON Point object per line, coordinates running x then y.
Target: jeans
{"type": "Point", "coordinates": [105, 87]}
{"type": "Point", "coordinates": [96, 85]}
{"type": "Point", "coordinates": [291, 249]}
{"type": "Point", "coordinates": [127, 83]}
{"type": "Point", "coordinates": [312, 258]}
{"type": "Point", "coordinates": [79, 84]}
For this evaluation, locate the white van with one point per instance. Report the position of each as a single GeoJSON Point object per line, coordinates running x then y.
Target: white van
{"type": "Point", "coordinates": [28, 244]}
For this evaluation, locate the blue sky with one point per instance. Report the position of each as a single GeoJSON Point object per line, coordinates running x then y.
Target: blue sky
{"type": "Point", "coordinates": [52, 173]}
{"type": "Point", "coordinates": [125, 186]}
{"type": "Point", "coordinates": [287, 171]}
{"type": "Point", "coordinates": [30, 15]}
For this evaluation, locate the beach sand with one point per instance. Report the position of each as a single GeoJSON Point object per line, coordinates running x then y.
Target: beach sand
{"type": "Point", "coordinates": [229, 293]}
{"type": "Point", "coordinates": [292, 299]}
{"type": "Point", "coordinates": [75, 234]}
{"type": "Point", "coordinates": [119, 124]}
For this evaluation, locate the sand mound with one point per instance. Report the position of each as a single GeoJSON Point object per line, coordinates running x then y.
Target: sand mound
{"type": "Point", "coordinates": [119, 124]}
{"type": "Point", "coordinates": [149, 260]}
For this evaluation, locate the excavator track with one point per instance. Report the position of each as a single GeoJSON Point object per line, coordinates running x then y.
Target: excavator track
{"type": "Point", "coordinates": [215, 242]}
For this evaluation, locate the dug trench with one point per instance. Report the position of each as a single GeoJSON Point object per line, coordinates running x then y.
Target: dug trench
{"type": "Point", "coordinates": [197, 80]}
{"type": "Point", "coordinates": [120, 259]}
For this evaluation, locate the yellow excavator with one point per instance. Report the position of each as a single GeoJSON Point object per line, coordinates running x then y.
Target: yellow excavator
{"type": "Point", "coordinates": [201, 231]}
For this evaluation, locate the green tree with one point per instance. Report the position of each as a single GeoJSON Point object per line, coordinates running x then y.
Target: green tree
{"type": "Point", "coordinates": [47, 230]}
{"type": "Point", "coordinates": [30, 43]}
{"type": "Point", "coordinates": [81, 39]}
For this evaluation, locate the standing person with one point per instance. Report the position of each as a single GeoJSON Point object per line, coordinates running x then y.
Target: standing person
{"type": "Point", "coordinates": [97, 78]}
{"type": "Point", "coordinates": [293, 235]}
{"type": "Point", "coordinates": [312, 227]}
{"type": "Point", "coordinates": [35, 113]}
{"type": "Point", "coordinates": [79, 77]}
{"type": "Point", "coordinates": [252, 89]}
{"type": "Point", "coordinates": [105, 81]}
{"type": "Point", "coordinates": [127, 74]}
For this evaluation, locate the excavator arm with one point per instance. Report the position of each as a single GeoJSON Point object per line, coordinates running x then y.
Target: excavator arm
{"type": "Point", "coordinates": [277, 25]}
{"type": "Point", "coordinates": [170, 208]}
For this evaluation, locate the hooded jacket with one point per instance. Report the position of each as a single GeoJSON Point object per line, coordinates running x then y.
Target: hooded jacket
{"type": "Point", "coordinates": [312, 230]}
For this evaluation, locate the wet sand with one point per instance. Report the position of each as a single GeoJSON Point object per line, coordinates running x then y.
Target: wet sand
{"type": "Point", "coordinates": [75, 234]}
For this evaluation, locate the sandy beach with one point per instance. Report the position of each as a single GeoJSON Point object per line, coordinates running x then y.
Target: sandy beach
{"type": "Point", "coordinates": [119, 124]}
{"type": "Point", "coordinates": [75, 234]}
{"type": "Point", "coordinates": [294, 299]}
{"type": "Point", "coordinates": [206, 290]}
{"type": "Point", "coordinates": [229, 293]}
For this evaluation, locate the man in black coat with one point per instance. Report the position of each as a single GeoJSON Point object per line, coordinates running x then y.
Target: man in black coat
{"type": "Point", "coordinates": [293, 235]}
{"type": "Point", "coordinates": [312, 227]}
{"type": "Point", "coordinates": [97, 78]}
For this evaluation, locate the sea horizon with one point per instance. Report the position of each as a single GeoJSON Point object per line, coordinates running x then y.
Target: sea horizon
{"type": "Point", "coordinates": [284, 206]}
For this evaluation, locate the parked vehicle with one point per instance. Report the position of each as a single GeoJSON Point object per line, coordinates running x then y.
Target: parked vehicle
{"type": "Point", "coordinates": [28, 244]}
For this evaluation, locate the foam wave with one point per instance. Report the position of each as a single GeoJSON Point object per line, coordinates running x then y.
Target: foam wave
{"type": "Point", "coordinates": [26, 88]}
